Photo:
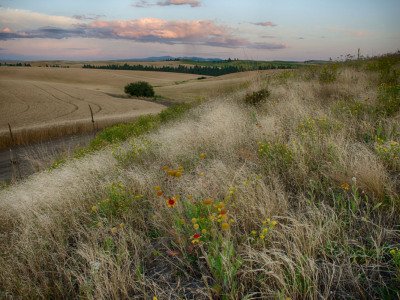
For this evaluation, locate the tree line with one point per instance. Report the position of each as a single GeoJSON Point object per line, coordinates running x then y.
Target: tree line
{"type": "Point", "coordinates": [196, 69]}
{"type": "Point", "coordinates": [15, 65]}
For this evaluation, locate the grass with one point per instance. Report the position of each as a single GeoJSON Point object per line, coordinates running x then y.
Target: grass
{"type": "Point", "coordinates": [297, 197]}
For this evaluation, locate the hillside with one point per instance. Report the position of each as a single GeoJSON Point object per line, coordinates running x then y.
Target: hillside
{"type": "Point", "coordinates": [285, 188]}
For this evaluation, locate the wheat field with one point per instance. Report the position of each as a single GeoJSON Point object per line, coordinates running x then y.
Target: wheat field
{"type": "Point", "coordinates": [296, 197]}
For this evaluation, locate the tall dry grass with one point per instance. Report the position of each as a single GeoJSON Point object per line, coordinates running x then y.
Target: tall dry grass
{"type": "Point", "coordinates": [302, 164]}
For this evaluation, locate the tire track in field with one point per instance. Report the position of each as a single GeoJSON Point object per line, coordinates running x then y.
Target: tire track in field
{"type": "Point", "coordinates": [80, 99]}
{"type": "Point", "coordinates": [20, 100]}
{"type": "Point", "coordinates": [76, 107]}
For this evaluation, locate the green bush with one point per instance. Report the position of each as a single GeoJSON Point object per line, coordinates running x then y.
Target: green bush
{"type": "Point", "coordinates": [256, 98]}
{"type": "Point", "coordinates": [140, 89]}
{"type": "Point", "coordinates": [328, 74]}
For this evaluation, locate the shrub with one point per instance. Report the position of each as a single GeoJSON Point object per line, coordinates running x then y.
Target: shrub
{"type": "Point", "coordinates": [256, 98]}
{"type": "Point", "coordinates": [140, 89]}
{"type": "Point", "coordinates": [328, 74]}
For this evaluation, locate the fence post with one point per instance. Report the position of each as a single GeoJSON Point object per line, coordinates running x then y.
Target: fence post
{"type": "Point", "coordinates": [12, 160]}
{"type": "Point", "coordinates": [91, 114]}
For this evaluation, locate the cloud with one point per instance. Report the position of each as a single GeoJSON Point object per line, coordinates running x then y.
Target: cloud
{"type": "Point", "coordinates": [145, 3]}
{"type": "Point", "coordinates": [192, 3]}
{"type": "Point", "coordinates": [17, 19]}
{"type": "Point", "coordinates": [145, 30]}
{"type": "Point", "coordinates": [88, 17]}
{"type": "Point", "coordinates": [265, 24]}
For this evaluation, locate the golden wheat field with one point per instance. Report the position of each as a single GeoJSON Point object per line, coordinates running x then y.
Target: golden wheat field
{"type": "Point", "coordinates": [40, 103]}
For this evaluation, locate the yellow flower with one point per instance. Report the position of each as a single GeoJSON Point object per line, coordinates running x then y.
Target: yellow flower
{"type": "Point", "coordinates": [274, 223]}
{"type": "Point", "coordinates": [345, 186]}
{"type": "Point", "coordinates": [212, 218]}
{"type": "Point", "coordinates": [95, 208]}
{"type": "Point", "coordinates": [194, 220]}
{"type": "Point", "coordinates": [196, 226]}
{"type": "Point", "coordinates": [155, 298]}
{"type": "Point", "coordinates": [225, 226]}
{"type": "Point", "coordinates": [262, 236]}
{"type": "Point", "coordinates": [202, 155]}
{"type": "Point", "coordinates": [204, 231]}
{"type": "Point", "coordinates": [114, 230]}
{"type": "Point", "coordinates": [253, 232]}
{"type": "Point", "coordinates": [121, 226]}
{"type": "Point", "coordinates": [157, 188]}
{"type": "Point", "coordinates": [265, 231]}
{"type": "Point", "coordinates": [220, 205]}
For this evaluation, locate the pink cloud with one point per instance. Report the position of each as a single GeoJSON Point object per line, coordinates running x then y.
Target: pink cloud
{"type": "Point", "coordinates": [145, 3]}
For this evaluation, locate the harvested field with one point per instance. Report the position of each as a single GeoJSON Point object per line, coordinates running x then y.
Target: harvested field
{"type": "Point", "coordinates": [42, 103]}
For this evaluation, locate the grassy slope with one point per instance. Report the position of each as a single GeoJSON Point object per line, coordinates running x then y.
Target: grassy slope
{"type": "Point", "coordinates": [304, 191]}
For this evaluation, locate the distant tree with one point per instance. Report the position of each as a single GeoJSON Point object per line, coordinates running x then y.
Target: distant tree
{"type": "Point", "coordinates": [140, 89]}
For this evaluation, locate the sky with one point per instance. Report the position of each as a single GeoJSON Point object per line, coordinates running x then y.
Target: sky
{"type": "Point", "coordinates": [245, 29]}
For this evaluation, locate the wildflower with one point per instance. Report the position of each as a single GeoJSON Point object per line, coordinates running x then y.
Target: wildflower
{"type": "Point", "coordinates": [95, 208]}
{"type": "Point", "coordinates": [393, 252]}
{"type": "Point", "coordinates": [155, 298]}
{"type": "Point", "coordinates": [220, 205]}
{"type": "Point", "coordinates": [114, 230]}
{"type": "Point", "coordinates": [225, 226]}
{"type": "Point", "coordinates": [196, 238]}
{"type": "Point", "coordinates": [194, 220]}
{"type": "Point", "coordinates": [157, 188]}
{"type": "Point", "coordinates": [265, 231]}
{"type": "Point", "coordinates": [345, 186]}
{"type": "Point", "coordinates": [171, 202]}
{"type": "Point", "coordinates": [232, 190]}
{"type": "Point", "coordinates": [202, 155]}
{"type": "Point", "coordinates": [274, 223]}
{"type": "Point", "coordinates": [208, 201]}
{"type": "Point", "coordinates": [196, 226]}
{"type": "Point", "coordinates": [212, 217]}
{"type": "Point", "coordinates": [121, 226]}
{"type": "Point", "coordinates": [201, 174]}
{"type": "Point", "coordinates": [254, 232]}
{"type": "Point", "coordinates": [204, 231]}
{"type": "Point", "coordinates": [262, 236]}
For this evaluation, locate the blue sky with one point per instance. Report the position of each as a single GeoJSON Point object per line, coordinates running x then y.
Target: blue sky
{"type": "Point", "coordinates": [253, 29]}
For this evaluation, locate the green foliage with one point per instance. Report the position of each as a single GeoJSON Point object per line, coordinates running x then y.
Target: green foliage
{"type": "Point", "coordinates": [388, 100]}
{"type": "Point", "coordinates": [313, 126]}
{"type": "Point", "coordinates": [257, 97]}
{"type": "Point", "coordinates": [276, 154]}
{"type": "Point", "coordinates": [351, 108]}
{"type": "Point", "coordinates": [328, 73]}
{"type": "Point", "coordinates": [117, 202]}
{"type": "Point", "coordinates": [224, 265]}
{"type": "Point", "coordinates": [139, 89]}
{"type": "Point", "coordinates": [389, 152]}
{"type": "Point", "coordinates": [121, 132]}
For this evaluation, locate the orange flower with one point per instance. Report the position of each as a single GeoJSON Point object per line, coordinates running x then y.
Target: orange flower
{"type": "Point", "coordinates": [160, 193]}
{"type": "Point", "coordinates": [208, 201]}
{"type": "Point", "coordinates": [223, 211]}
{"type": "Point", "coordinates": [171, 202]}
